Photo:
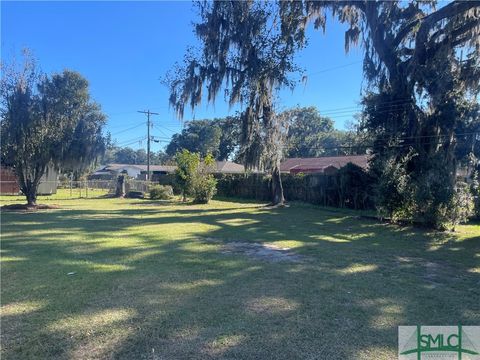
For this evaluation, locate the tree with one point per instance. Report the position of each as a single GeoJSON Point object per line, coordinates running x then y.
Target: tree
{"type": "Point", "coordinates": [161, 158]}
{"type": "Point", "coordinates": [421, 69]}
{"type": "Point", "coordinates": [249, 54]}
{"type": "Point", "coordinates": [204, 184]}
{"type": "Point", "coordinates": [202, 136]}
{"type": "Point", "coordinates": [219, 137]}
{"type": "Point", "coordinates": [47, 121]}
{"type": "Point", "coordinates": [312, 135]}
{"type": "Point", "coordinates": [193, 175]}
{"type": "Point", "coordinates": [229, 138]}
{"type": "Point", "coordinates": [127, 155]}
{"type": "Point", "coordinates": [187, 164]}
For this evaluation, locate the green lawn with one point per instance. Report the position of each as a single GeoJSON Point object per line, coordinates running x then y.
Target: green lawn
{"type": "Point", "coordinates": [150, 282]}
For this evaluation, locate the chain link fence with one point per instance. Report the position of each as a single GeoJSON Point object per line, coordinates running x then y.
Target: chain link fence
{"type": "Point", "coordinates": [76, 189]}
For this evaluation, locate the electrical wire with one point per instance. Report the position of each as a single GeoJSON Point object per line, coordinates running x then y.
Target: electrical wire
{"type": "Point", "coordinates": [133, 140]}
{"type": "Point", "coordinates": [130, 128]}
{"type": "Point", "coordinates": [334, 68]}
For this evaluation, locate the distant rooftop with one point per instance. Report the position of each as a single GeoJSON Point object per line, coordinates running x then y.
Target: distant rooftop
{"type": "Point", "coordinates": [221, 166]}
{"type": "Point", "coordinates": [321, 163]}
{"type": "Point", "coordinates": [114, 167]}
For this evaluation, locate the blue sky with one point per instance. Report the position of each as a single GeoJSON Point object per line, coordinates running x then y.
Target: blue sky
{"type": "Point", "coordinates": [123, 48]}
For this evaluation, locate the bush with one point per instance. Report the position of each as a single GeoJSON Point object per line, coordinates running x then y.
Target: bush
{"type": "Point", "coordinates": [161, 192]}
{"type": "Point", "coordinates": [461, 206]}
{"type": "Point", "coordinates": [393, 191]}
{"type": "Point", "coordinates": [170, 179]}
{"type": "Point", "coordinates": [204, 188]}
{"type": "Point", "coordinates": [135, 195]}
{"type": "Point", "coordinates": [354, 186]}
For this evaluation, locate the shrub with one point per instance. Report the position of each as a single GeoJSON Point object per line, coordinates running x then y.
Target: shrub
{"type": "Point", "coordinates": [461, 206]}
{"type": "Point", "coordinates": [161, 192]}
{"type": "Point", "coordinates": [204, 188]}
{"type": "Point", "coordinates": [135, 195]}
{"type": "Point", "coordinates": [204, 184]}
{"type": "Point", "coordinates": [354, 187]}
{"type": "Point", "coordinates": [393, 193]}
{"type": "Point", "coordinates": [186, 172]}
{"type": "Point", "coordinates": [170, 179]}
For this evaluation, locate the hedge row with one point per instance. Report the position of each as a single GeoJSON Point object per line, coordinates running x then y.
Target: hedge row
{"type": "Point", "coordinates": [350, 187]}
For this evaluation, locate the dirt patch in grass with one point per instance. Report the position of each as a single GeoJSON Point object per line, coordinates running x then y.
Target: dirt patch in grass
{"type": "Point", "coordinates": [259, 251]}
{"type": "Point", "coordinates": [433, 272]}
{"type": "Point", "coordinates": [26, 207]}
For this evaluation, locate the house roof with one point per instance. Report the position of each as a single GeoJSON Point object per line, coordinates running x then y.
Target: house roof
{"type": "Point", "coordinates": [221, 167]}
{"type": "Point", "coordinates": [229, 167]}
{"type": "Point", "coordinates": [116, 167]}
{"type": "Point", "coordinates": [320, 163]}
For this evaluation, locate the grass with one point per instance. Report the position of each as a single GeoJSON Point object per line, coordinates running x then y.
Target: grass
{"type": "Point", "coordinates": [149, 284]}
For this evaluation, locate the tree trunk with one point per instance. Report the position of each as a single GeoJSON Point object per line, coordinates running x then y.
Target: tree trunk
{"type": "Point", "coordinates": [31, 194]}
{"type": "Point", "coordinates": [120, 188]}
{"type": "Point", "coordinates": [277, 188]}
{"type": "Point", "coordinates": [29, 180]}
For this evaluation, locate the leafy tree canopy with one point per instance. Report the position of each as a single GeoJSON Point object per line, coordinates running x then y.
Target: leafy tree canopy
{"type": "Point", "coordinates": [47, 120]}
{"type": "Point", "coordinates": [218, 137]}
{"type": "Point", "coordinates": [126, 155]}
{"type": "Point", "coordinates": [421, 66]}
{"type": "Point", "coordinates": [313, 135]}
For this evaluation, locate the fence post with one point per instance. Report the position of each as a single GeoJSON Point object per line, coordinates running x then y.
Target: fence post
{"type": "Point", "coordinates": [86, 189]}
{"type": "Point", "coordinates": [71, 193]}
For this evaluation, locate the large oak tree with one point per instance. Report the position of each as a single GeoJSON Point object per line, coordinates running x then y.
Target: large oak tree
{"type": "Point", "coordinates": [422, 71]}
{"type": "Point", "coordinates": [47, 121]}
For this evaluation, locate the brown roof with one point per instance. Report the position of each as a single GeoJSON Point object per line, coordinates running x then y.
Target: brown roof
{"type": "Point", "coordinates": [320, 163]}
{"type": "Point", "coordinates": [229, 167]}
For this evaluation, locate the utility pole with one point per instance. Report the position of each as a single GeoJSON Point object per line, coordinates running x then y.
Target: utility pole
{"type": "Point", "coordinates": [148, 112]}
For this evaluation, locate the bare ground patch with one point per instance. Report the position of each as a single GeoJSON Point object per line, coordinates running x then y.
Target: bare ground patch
{"type": "Point", "coordinates": [434, 273]}
{"type": "Point", "coordinates": [259, 251]}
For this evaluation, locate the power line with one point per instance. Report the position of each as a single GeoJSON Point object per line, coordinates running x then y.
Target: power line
{"type": "Point", "coordinates": [130, 128]}
{"type": "Point", "coordinates": [335, 68]}
{"type": "Point", "coordinates": [458, 140]}
{"type": "Point", "coordinates": [131, 141]}
{"type": "Point", "coordinates": [164, 127]}
{"type": "Point", "coordinates": [158, 128]}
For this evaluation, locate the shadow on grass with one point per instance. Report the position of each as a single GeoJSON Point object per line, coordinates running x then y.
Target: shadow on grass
{"type": "Point", "coordinates": [174, 295]}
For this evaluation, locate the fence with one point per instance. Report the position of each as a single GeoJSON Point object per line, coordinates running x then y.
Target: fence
{"type": "Point", "coordinates": [75, 189]}
{"type": "Point", "coordinates": [349, 187]}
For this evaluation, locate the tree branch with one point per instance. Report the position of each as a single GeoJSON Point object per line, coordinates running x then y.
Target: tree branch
{"type": "Point", "coordinates": [429, 21]}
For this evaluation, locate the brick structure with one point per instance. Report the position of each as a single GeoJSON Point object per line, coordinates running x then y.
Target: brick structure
{"type": "Point", "coordinates": [8, 181]}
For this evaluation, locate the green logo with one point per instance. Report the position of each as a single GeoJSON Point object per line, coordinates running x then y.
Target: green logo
{"type": "Point", "coordinates": [439, 342]}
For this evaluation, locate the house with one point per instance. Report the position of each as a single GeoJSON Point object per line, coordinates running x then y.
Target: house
{"type": "Point", "coordinates": [156, 171]}
{"type": "Point", "coordinates": [111, 171]}
{"type": "Point", "coordinates": [9, 182]}
{"type": "Point", "coordinates": [229, 167]}
{"type": "Point", "coordinates": [327, 165]}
